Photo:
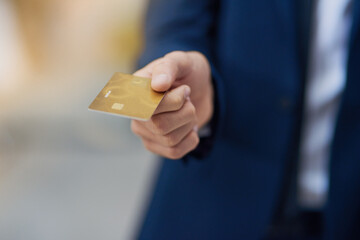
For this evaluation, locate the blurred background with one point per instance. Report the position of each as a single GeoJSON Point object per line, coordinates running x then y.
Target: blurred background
{"type": "Point", "coordinates": [65, 172]}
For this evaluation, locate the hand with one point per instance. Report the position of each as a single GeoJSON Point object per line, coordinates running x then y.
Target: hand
{"type": "Point", "coordinates": [187, 106]}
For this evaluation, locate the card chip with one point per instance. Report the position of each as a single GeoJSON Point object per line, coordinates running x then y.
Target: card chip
{"type": "Point", "coordinates": [117, 106]}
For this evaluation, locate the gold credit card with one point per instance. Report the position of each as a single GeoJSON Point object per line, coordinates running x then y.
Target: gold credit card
{"type": "Point", "coordinates": [128, 96]}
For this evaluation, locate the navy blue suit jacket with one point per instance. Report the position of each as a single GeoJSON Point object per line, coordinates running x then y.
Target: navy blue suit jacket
{"type": "Point", "coordinates": [257, 50]}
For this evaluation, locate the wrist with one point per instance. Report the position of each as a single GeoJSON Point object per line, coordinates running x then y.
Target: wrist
{"type": "Point", "coordinates": [204, 98]}
{"type": "Point", "coordinates": [205, 110]}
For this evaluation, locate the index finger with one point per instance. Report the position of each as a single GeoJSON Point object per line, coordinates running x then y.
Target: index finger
{"type": "Point", "coordinates": [174, 99]}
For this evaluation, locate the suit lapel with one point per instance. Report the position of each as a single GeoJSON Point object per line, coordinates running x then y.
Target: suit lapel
{"type": "Point", "coordinates": [356, 21]}
{"type": "Point", "coordinates": [299, 13]}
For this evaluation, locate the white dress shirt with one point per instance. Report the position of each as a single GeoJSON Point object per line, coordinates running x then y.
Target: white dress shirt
{"type": "Point", "coordinates": [325, 84]}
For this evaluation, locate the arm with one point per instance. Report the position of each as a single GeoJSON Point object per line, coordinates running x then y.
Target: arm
{"type": "Point", "coordinates": [187, 26]}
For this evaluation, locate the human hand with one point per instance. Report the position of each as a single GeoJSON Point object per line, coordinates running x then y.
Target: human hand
{"type": "Point", "coordinates": [187, 106]}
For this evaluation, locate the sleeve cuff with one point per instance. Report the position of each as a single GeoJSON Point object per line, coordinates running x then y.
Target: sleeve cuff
{"type": "Point", "coordinates": [207, 142]}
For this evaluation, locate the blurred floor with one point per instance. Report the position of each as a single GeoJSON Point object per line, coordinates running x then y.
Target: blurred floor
{"type": "Point", "coordinates": [65, 172]}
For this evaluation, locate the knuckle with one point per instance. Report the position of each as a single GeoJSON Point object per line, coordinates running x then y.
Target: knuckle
{"type": "Point", "coordinates": [166, 64]}
{"type": "Point", "coordinates": [199, 54]}
{"type": "Point", "coordinates": [135, 128]}
{"type": "Point", "coordinates": [177, 101]}
{"type": "Point", "coordinates": [176, 153]}
{"type": "Point", "coordinates": [196, 140]}
{"type": "Point", "coordinates": [191, 109]}
{"type": "Point", "coordinates": [167, 59]}
{"type": "Point", "coordinates": [170, 140]}
{"type": "Point", "coordinates": [159, 125]}
{"type": "Point", "coordinates": [176, 54]}
{"type": "Point", "coordinates": [160, 61]}
{"type": "Point", "coordinates": [163, 63]}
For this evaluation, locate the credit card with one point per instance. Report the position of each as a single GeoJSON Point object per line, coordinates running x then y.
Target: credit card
{"type": "Point", "coordinates": [128, 96]}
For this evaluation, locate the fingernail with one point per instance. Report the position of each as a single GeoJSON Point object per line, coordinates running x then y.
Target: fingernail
{"type": "Point", "coordinates": [196, 128]}
{"type": "Point", "coordinates": [161, 79]}
{"type": "Point", "coordinates": [187, 92]}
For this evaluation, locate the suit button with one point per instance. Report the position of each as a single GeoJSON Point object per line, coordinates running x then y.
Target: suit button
{"type": "Point", "coordinates": [285, 103]}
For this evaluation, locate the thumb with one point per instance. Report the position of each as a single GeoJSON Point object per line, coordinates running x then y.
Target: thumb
{"type": "Point", "coordinates": [163, 76]}
{"type": "Point", "coordinates": [162, 82]}
{"type": "Point", "coordinates": [173, 66]}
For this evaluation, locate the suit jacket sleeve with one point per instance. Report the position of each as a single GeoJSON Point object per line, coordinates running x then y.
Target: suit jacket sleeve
{"type": "Point", "coordinates": [186, 25]}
